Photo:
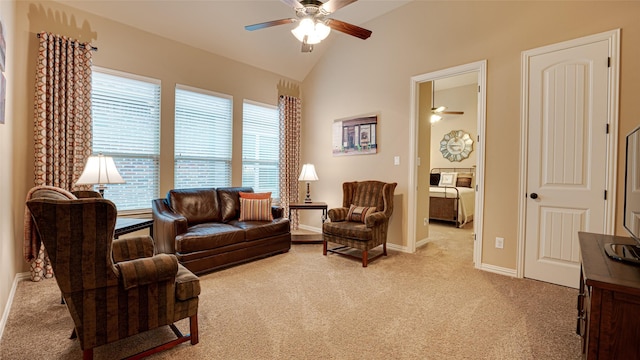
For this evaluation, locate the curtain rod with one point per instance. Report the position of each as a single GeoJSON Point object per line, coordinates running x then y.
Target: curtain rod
{"type": "Point", "coordinates": [93, 48]}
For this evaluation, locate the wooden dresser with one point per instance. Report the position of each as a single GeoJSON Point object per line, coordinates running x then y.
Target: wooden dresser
{"type": "Point", "coordinates": [608, 301]}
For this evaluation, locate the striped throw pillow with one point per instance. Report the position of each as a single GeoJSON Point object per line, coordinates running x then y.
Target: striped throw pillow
{"type": "Point", "coordinates": [359, 213]}
{"type": "Point", "coordinates": [255, 209]}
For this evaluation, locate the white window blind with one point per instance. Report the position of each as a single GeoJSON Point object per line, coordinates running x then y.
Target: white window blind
{"type": "Point", "coordinates": [261, 148]}
{"type": "Point", "coordinates": [203, 134]}
{"type": "Point", "coordinates": [126, 126]}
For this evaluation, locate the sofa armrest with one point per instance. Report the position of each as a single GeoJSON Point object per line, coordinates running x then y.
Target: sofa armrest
{"type": "Point", "coordinates": [167, 225]}
{"type": "Point", "coordinates": [132, 248]}
{"type": "Point", "coordinates": [375, 219]}
{"type": "Point", "coordinates": [338, 214]}
{"type": "Point", "coordinates": [277, 211]}
{"type": "Point", "coordinates": [145, 271]}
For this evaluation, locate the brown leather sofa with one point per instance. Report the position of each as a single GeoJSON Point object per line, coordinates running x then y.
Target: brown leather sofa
{"type": "Point", "coordinates": [202, 228]}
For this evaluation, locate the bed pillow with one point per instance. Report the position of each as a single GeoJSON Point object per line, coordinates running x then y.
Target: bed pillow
{"type": "Point", "coordinates": [434, 179]}
{"type": "Point", "coordinates": [248, 195]}
{"type": "Point", "coordinates": [463, 182]}
{"type": "Point", "coordinates": [255, 209]}
{"type": "Point", "coordinates": [359, 213]}
{"type": "Point", "coordinates": [448, 179]}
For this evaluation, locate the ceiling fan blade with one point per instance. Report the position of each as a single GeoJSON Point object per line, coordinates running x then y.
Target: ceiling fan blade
{"type": "Point", "coordinates": [269, 24]}
{"type": "Point", "coordinates": [452, 112]}
{"type": "Point", "coordinates": [294, 4]}
{"type": "Point", "coordinates": [350, 29]}
{"type": "Point", "coordinates": [333, 5]}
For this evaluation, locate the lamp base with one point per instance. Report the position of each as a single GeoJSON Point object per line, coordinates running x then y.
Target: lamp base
{"type": "Point", "coordinates": [308, 198]}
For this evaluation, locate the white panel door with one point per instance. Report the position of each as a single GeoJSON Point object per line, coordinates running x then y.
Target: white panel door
{"type": "Point", "coordinates": [566, 159]}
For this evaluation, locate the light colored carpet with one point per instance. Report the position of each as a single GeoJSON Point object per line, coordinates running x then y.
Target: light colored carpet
{"type": "Point", "coordinates": [301, 305]}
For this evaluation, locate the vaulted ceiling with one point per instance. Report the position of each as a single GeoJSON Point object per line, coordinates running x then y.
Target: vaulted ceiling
{"type": "Point", "coordinates": [218, 27]}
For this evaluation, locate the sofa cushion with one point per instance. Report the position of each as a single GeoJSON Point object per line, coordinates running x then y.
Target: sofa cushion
{"type": "Point", "coordinates": [196, 205]}
{"type": "Point", "coordinates": [255, 209]}
{"type": "Point", "coordinates": [230, 202]}
{"type": "Point", "coordinates": [257, 230]}
{"type": "Point", "coordinates": [208, 236]}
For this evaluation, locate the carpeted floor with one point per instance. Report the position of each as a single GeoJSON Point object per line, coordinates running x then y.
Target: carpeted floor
{"type": "Point", "coordinates": [301, 305]}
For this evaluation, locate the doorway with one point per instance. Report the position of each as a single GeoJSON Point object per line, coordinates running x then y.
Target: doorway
{"type": "Point", "coordinates": [419, 167]}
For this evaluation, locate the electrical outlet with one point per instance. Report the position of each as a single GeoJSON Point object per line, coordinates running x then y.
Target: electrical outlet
{"type": "Point", "coordinates": [425, 222]}
{"type": "Point", "coordinates": [499, 243]}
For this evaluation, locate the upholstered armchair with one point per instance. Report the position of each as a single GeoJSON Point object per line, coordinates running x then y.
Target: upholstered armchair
{"type": "Point", "coordinates": [362, 221]}
{"type": "Point", "coordinates": [113, 288]}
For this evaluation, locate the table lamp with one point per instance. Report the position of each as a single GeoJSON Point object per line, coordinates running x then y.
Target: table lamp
{"type": "Point", "coordinates": [100, 170]}
{"type": "Point", "coordinates": [308, 174]}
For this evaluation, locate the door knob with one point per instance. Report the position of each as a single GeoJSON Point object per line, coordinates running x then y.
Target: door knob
{"type": "Point", "coordinates": [533, 196]}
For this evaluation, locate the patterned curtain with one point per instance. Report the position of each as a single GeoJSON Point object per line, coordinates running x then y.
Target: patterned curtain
{"type": "Point", "coordinates": [62, 119]}
{"type": "Point", "coordinates": [290, 119]}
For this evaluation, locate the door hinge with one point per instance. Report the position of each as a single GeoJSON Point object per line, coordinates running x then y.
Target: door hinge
{"type": "Point", "coordinates": [609, 62]}
{"type": "Point", "coordinates": [606, 130]}
{"type": "Point", "coordinates": [478, 88]}
{"type": "Point", "coordinates": [478, 138]}
{"type": "Point", "coordinates": [605, 194]}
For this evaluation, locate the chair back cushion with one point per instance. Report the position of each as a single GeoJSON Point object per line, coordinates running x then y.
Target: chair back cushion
{"type": "Point", "coordinates": [77, 235]}
{"type": "Point", "coordinates": [364, 194]}
{"type": "Point", "coordinates": [196, 205]}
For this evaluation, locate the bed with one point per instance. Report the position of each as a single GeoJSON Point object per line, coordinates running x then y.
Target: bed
{"type": "Point", "coordinates": [452, 195]}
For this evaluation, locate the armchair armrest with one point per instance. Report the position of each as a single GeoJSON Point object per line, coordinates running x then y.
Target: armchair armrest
{"type": "Point", "coordinates": [167, 225]}
{"type": "Point", "coordinates": [375, 219]}
{"type": "Point", "coordinates": [338, 214]}
{"type": "Point", "coordinates": [145, 271]}
{"type": "Point", "coordinates": [132, 248]}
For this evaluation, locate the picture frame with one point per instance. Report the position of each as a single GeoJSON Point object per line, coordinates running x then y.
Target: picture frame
{"type": "Point", "coordinates": [355, 136]}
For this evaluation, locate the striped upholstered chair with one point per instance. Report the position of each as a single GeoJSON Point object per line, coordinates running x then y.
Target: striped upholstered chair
{"type": "Point", "coordinates": [362, 221]}
{"type": "Point", "coordinates": [113, 288]}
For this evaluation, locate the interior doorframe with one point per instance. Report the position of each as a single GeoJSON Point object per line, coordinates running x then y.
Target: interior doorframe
{"type": "Point", "coordinates": [613, 37]}
{"type": "Point", "coordinates": [481, 68]}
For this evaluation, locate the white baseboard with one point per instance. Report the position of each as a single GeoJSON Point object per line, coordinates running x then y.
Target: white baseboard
{"type": "Point", "coordinates": [310, 228]}
{"type": "Point", "coordinates": [498, 270]}
{"type": "Point", "coordinates": [5, 314]}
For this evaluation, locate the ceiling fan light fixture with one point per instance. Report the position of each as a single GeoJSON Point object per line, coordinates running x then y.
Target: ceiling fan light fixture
{"type": "Point", "coordinates": [312, 30]}
{"type": "Point", "coordinates": [435, 118]}
{"type": "Point", "coordinates": [439, 109]}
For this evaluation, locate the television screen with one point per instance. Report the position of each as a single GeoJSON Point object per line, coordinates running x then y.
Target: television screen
{"type": "Point", "coordinates": [632, 185]}
{"type": "Point", "coordinates": [631, 214]}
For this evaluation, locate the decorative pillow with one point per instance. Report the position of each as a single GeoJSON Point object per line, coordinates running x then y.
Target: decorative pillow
{"type": "Point", "coordinates": [359, 213]}
{"type": "Point", "coordinates": [248, 195]}
{"type": "Point", "coordinates": [255, 209]}
{"type": "Point", "coordinates": [448, 179]}
{"type": "Point", "coordinates": [463, 182]}
{"type": "Point", "coordinates": [434, 179]}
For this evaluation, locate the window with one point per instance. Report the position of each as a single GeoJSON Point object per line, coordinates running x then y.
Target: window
{"type": "Point", "coordinates": [261, 148]}
{"type": "Point", "coordinates": [126, 126]}
{"type": "Point", "coordinates": [203, 132]}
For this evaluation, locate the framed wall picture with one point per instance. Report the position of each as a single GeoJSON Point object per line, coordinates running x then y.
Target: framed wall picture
{"type": "Point", "coordinates": [355, 136]}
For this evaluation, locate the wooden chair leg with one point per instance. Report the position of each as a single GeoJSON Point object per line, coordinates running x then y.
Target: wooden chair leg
{"type": "Point", "coordinates": [384, 249]}
{"type": "Point", "coordinates": [365, 258]}
{"type": "Point", "coordinates": [193, 327]}
{"type": "Point", "coordinates": [324, 247]}
{"type": "Point", "coordinates": [87, 354]}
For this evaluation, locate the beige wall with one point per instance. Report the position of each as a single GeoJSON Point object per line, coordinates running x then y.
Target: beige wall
{"type": "Point", "coordinates": [427, 36]}
{"type": "Point", "coordinates": [121, 48]}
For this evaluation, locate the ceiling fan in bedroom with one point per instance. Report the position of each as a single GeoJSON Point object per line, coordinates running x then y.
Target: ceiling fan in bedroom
{"type": "Point", "coordinates": [436, 113]}
{"type": "Point", "coordinates": [313, 24]}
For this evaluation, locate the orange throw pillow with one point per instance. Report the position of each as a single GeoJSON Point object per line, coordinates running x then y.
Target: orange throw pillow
{"type": "Point", "coordinates": [246, 195]}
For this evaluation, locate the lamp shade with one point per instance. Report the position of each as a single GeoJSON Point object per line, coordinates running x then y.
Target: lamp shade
{"type": "Point", "coordinates": [100, 169]}
{"type": "Point", "coordinates": [308, 173]}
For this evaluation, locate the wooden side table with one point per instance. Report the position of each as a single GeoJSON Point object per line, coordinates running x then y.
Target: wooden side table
{"type": "Point", "coordinates": [309, 206]}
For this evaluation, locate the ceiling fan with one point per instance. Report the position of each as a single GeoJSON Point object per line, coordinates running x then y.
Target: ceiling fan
{"type": "Point", "coordinates": [314, 26]}
{"type": "Point", "coordinates": [436, 113]}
